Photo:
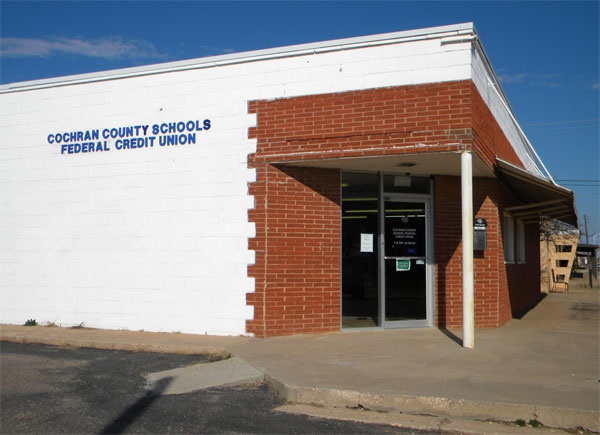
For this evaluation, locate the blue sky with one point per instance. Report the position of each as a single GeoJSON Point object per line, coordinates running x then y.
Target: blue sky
{"type": "Point", "coordinates": [546, 53]}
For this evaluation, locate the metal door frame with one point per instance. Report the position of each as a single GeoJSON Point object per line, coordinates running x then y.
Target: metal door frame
{"type": "Point", "coordinates": [429, 259]}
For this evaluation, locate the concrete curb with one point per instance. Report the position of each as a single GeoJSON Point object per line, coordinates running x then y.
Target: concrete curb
{"type": "Point", "coordinates": [418, 422]}
{"type": "Point", "coordinates": [438, 406]}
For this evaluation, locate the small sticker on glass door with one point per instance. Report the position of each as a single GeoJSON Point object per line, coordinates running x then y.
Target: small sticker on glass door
{"type": "Point", "coordinates": [402, 265]}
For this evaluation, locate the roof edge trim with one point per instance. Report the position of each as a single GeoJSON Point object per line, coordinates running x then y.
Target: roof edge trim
{"type": "Point", "coordinates": [522, 173]}
{"type": "Point", "coordinates": [456, 30]}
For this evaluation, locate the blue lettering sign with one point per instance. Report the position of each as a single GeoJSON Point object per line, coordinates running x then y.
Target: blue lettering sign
{"type": "Point", "coordinates": [129, 137]}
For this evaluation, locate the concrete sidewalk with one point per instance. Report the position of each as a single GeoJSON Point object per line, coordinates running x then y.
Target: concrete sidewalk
{"type": "Point", "coordinates": [544, 367]}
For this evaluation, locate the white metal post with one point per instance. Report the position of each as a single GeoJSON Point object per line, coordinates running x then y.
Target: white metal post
{"type": "Point", "coordinates": [467, 248]}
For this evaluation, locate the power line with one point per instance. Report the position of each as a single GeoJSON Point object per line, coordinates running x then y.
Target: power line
{"type": "Point", "coordinates": [579, 183]}
{"type": "Point", "coordinates": [562, 125]}
{"type": "Point", "coordinates": [575, 121]}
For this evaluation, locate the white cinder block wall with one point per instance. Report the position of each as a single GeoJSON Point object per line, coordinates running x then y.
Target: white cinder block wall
{"type": "Point", "coordinates": [157, 238]}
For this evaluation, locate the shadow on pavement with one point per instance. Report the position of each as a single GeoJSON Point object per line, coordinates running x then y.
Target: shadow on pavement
{"type": "Point", "coordinates": [120, 424]}
{"type": "Point", "coordinates": [455, 338]}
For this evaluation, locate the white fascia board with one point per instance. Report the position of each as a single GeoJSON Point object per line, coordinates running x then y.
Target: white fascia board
{"type": "Point", "coordinates": [492, 77]}
{"type": "Point", "coordinates": [459, 31]}
{"type": "Point", "coordinates": [526, 152]}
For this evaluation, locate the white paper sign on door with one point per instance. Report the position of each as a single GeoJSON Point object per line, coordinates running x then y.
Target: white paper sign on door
{"type": "Point", "coordinates": [366, 243]}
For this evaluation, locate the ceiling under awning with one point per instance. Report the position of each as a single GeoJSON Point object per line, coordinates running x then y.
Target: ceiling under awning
{"type": "Point", "coordinates": [541, 198]}
{"type": "Point", "coordinates": [419, 164]}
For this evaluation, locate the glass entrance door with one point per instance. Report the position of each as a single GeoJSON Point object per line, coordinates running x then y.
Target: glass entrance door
{"type": "Point", "coordinates": [386, 265]}
{"type": "Point", "coordinates": [405, 262]}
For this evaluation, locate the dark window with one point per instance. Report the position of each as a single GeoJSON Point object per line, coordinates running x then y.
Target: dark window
{"type": "Point", "coordinates": [564, 248]}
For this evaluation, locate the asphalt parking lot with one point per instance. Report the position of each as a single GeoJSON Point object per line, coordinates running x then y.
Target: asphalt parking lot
{"type": "Point", "coordinates": [48, 389]}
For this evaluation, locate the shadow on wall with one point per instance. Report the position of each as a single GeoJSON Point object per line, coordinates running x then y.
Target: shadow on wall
{"type": "Point", "coordinates": [523, 279]}
{"type": "Point", "coordinates": [524, 291]}
{"type": "Point", "coordinates": [526, 310]}
{"type": "Point", "coordinates": [324, 182]}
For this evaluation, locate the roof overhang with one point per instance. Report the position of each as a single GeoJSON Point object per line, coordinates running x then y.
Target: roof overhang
{"type": "Point", "coordinates": [418, 164]}
{"type": "Point", "coordinates": [586, 250]}
{"type": "Point", "coordinates": [542, 199]}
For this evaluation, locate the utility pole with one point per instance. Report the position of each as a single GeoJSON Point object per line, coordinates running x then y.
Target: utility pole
{"type": "Point", "coordinates": [587, 242]}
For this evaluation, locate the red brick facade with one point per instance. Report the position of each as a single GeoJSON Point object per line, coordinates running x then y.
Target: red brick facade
{"type": "Point", "coordinates": [502, 291]}
{"type": "Point", "coordinates": [297, 246]}
{"type": "Point", "coordinates": [364, 123]}
{"type": "Point", "coordinates": [297, 209]}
